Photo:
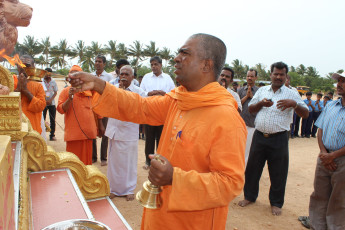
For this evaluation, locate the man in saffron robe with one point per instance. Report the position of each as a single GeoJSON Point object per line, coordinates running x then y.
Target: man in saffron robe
{"type": "Point", "coordinates": [80, 127]}
{"type": "Point", "coordinates": [203, 156]}
{"type": "Point", "coordinates": [32, 96]}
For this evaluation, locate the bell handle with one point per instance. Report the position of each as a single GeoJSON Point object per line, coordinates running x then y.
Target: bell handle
{"type": "Point", "coordinates": [157, 157]}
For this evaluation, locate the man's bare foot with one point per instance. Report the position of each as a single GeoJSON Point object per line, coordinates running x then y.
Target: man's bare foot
{"type": "Point", "coordinates": [244, 203]}
{"type": "Point", "coordinates": [130, 197]}
{"type": "Point", "coordinates": [276, 211]}
{"type": "Point", "coordinates": [112, 196]}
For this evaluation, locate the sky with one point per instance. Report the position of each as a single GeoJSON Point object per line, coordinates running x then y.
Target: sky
{"type": "Point", "coordinates": [309, 32]}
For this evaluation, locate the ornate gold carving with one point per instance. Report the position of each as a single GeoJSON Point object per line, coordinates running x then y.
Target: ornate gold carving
{"type": "Point", "coordinates": [37, 156]}
{"type": "Point", "coordinates": [91, 182]}
{"type": "Point", "coordinates": [6, 183]}
{"type": "Point", "coordinates": [10, 112]}
{"type": "Point", "coordinates": [6, 78]}
{"type": "Point", "coordinates": [24, 216]}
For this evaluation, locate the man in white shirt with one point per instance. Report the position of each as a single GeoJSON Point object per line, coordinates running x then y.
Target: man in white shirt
{"type": "Point", "coordinates": [156, 80]}
{"type": "Point", "coordinates": [123, 144]}
{"type": "Point", "coordinates": [228, 75]}
{"type": "Point", "coordinates": [100, 63]}
{"type": "Point", "coordinates": [50, 88]}
{"type": "Point", "coordinates": [274, 105]}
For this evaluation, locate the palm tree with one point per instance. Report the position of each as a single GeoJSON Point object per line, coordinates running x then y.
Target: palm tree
{"type": "Point", "coordinates": [45, 43]}
{"type": "Point", "coordinates": [301, 70]}
{"type": "Point", "coordinates": [42, 61]}
{"type": "Point", "coordinates": [122, 51]}
{"type": "Point", "coordinates": [88, 63]}
{"type": "Point", "coordinates": [31, 46]}
{"type": "Point", "coordinates": [57, 60]}
{"type": "Point", "coordinates": [79, 50]}
{"type": "Point", "coordinates": [292, 69]}
{"type": "Point", "coordinates": [112, 50]}
{"type": "Point", "coordinates": [311, 71]}
{"type": "Point", "coordinates": [262, 73]}
{"type": "Point", "coordinates": [59, 53]}
{"type": "Point", "coordinates": [151, 50]}
{"type": "Point", "coordinates": [136, 51]}
{"type": "Point", "coordinates": [239, 69]}
{"type": "Point", "coordinates": [95, 48]}
{"type": "Point", "coordinates": [166, 55]}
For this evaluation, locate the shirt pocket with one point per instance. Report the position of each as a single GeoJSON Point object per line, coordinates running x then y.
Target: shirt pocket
{"type": "Point", "coordinates": [191, 146]}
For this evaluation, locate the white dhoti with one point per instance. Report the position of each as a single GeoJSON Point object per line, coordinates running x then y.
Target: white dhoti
{"type": "Point", "coordinates": [122, 166]}
{"type": "Point", "coordinates": [43, 126]}
{"type": "Point", "coordinates": [250, 131]}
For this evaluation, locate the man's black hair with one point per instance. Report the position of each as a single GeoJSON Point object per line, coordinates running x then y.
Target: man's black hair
{"type": "Point", "coordinates": [157, 59]}
{"type": "Point", "coordinates": [320, 94]}
{"type": "Point", "coordinates": [262, 84]}
{"type": "Point", "coordinates": [48, 70]}
{"type": "Point", "coordinates": [309, 94]}
{"type": "Point", "coordinates": [121, 62]}
{"type": "Point", "coordinates": [231, 70]}
{"type": "Point", "coordinates": [100, 56]}
{"type": "Point", "coordinates": [256, 72]}
{"type": "Point", "coordinates": [279, 65]}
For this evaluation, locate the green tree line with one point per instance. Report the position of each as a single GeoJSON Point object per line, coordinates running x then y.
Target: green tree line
{"type": "Point", "coordinates": [61, 55]}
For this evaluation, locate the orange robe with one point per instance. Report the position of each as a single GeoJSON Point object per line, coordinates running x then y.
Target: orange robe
{"type": "Point", "coordinates": [15, 81]}
{"type": "Point", "coordinates": [78, 132]}
{"type": "Point", "coordinates": [33, 109]}
{"type": "Point", "coordinates": [203, 138]}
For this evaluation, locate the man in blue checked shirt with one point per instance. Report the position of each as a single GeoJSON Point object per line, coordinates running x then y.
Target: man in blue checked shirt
{"type": "Point", "coordinates": [274, 105]}
{"type": "Point", "coordinates": [327, 202]}
{"type": "Point", "coordinates": [307, 122]}
{"type": "Point", "coordinates": [316, 113]}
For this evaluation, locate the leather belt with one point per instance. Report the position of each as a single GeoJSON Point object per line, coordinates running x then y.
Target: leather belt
{"type": "Point", "coordinates": [267, 135]}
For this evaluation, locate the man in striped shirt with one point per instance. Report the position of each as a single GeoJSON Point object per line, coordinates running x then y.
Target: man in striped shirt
{"type": "Point", "coordinates": [274, 105]}
{"type": "Point", "coordinates": [327, 202]}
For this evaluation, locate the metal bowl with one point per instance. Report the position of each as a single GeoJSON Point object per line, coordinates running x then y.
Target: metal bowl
{"type": "Point", "coordinates": [34, 73]}
{"type": "Point", "coordinates": [77, 224]}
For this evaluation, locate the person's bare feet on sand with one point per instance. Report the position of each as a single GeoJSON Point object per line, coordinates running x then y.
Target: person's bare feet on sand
{"type": "Point", "coordinates": [112, 196]}
{"type": "Point", "coordinates": [130, 197]}
{"type": "Point", "coordinates": [244, 203]}
{"type": "Point", "coordinates": [276, 211]}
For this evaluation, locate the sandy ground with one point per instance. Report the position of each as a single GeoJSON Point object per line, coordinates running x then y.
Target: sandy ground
{"type": "Point", "coordinates": [303, 154]}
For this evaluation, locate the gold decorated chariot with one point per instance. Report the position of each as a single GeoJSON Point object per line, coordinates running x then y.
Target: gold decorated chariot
{"type": "Point", "coordinates": [39, 186]}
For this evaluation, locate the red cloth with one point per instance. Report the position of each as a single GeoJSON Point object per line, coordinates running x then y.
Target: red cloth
{"type": "Point", "coordinates": [82, 148]}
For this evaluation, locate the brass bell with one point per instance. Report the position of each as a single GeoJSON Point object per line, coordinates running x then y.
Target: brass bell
{"type": "Point", "coordinates": [149, 196]}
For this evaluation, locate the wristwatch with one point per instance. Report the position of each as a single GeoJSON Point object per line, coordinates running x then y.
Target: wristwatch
{"type": "Point", "coordinates": [296, 106]}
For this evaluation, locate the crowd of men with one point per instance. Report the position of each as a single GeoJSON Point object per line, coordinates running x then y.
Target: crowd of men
{"type": "Point", "coordinates": [200, 174]}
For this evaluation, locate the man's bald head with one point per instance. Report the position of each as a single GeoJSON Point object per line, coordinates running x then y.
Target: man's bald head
{"type": "Point", "coordinates": [27, 60]}
{"type": "Point", "coordinates": [211, 48]}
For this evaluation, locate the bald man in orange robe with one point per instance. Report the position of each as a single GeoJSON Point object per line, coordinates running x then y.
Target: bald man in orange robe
{"type": "Point", "coordinates": [202, 144]}
{"type": "Point", "coordinates": [32, 96]}
{"type": "Point", "coordinates": [80, 127]}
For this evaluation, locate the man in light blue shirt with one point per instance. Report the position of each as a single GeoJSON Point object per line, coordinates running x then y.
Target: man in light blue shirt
{"type": "Point", "coordinates": [327, 202]}
{"type": "Point", "coordinates": [307, 122]}
{"type": "Point", "coordinates": [317, 111]}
